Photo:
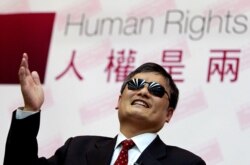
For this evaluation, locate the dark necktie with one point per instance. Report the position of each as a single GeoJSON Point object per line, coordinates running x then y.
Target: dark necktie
{"type": "Point", "coordinates": [123, 155]}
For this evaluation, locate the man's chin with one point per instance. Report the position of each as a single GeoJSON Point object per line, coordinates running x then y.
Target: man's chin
{"type": "Point", "coordinates": [138, 115]}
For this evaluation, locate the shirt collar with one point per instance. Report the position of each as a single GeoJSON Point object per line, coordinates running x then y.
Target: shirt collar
{"type": "Point", "coordinates": [141, 141]}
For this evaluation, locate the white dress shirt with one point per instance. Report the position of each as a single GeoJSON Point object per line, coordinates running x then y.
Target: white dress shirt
{"type": "Point", "coordinates": [141, 142]}
{"type": "Point", "coordinates": [20, 114]}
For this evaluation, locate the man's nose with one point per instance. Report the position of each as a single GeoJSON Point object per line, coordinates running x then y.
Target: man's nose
{"type": "Point", "coordinates": [144, 91]}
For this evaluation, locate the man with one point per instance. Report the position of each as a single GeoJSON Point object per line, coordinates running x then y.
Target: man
{"type": "Point", "coordinates": [148, 99]}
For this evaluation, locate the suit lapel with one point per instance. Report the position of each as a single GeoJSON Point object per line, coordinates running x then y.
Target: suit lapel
{"type": "Point", "coordinates": [153, 153]}
{"type": "Point", "coordinates": [101, 153]}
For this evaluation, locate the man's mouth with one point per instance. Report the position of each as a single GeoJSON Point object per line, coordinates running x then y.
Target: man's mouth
{"type": "Point", "coordinates": [140, 103]}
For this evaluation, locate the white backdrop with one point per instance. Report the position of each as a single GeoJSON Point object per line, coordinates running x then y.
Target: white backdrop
{"type": "Point", "coordinates": [213, 116]}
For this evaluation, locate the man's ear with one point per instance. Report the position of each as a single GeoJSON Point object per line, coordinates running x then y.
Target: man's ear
{"type": "Point", "coordinates": [118, 102]}
{"type": "Point", "coordinates": [169, 114]}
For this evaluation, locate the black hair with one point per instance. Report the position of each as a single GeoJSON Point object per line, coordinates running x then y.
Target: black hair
{"type": "Point", "coordinates": [153, 67]}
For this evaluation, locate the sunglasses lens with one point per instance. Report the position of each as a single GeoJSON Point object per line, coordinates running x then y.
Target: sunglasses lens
{"type": "Point", "coordinates": [157, 91]}
{"type": "Point", "coordinates": [154, 88]}
{"type": "Point", "coordinates": [135, 84]}
{"type": "Point", "coordinates": [131, 86]}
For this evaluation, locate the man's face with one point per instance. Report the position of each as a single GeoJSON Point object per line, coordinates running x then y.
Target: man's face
{"type": "Point", "coordinates": [142, 109]}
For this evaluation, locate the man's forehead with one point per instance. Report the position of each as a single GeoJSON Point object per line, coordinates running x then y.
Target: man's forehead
{"type": "Point", "coordinates": [152, 76]}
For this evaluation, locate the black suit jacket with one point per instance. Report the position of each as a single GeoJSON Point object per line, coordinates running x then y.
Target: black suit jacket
{"type": "Point", "coordinates": [22, 148]}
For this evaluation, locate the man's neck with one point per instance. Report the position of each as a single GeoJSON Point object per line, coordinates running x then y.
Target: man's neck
{"type": "Point", "coordinates": [132, 131]}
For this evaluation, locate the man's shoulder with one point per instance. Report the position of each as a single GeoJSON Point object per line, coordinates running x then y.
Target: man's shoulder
{"type": "Point", "coordinates": [173, 151]}
{"type": "Point", "coordinates": [176, 149]}
{"type": "Point", "coordinates": [92, 138]}
{"type": "Point", "coordinates": [89, 140]}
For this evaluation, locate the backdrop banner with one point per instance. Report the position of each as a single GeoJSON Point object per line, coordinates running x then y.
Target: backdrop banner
{"type": "Point", "coordinates": [83, 50]}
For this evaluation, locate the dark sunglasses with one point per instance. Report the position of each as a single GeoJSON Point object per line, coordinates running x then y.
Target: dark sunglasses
{"type": "Point", "coordinates": [153, 87]}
